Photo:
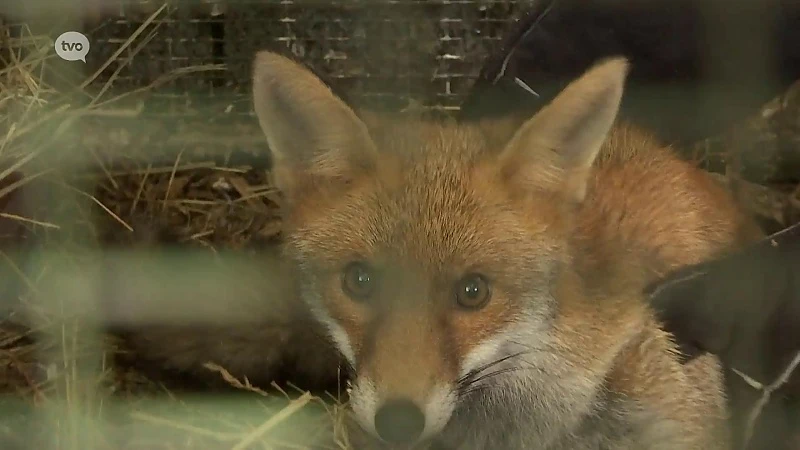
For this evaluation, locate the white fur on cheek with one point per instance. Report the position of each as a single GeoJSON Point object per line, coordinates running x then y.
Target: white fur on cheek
{"type": "Point", "coordinates": [364, 402]}
{"type": "Point", "coordinates": [482, 354]}
{"type": "Point", "coordinates": [336, 332]}
{"type": "Point", "coordinates": [438, 410]}
{"type": "Point", "coordinates": [528, 335]}
{"type": "Point", "coordinates": [338, 335]}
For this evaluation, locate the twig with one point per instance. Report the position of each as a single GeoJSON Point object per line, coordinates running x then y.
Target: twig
{"type": "Point", "coordinates": [755, 384]}
{"type": "Point", "coordinates": [519, 42]}
{"type": "Point", "coordinates": [100, 204]}
{"type": "Point", "coordinates": [525, 86]}
{"type": "Point", "coordinates": [282, 415]}
{"type": "Point", "coordinates": [768, 390]}
{"type": "Point", "coordinates": [233, 381]}
{"type": "Point", "coordinates": [154, 170]}
{"type": "Point", "coordinates": [219, 435]}
{"type": "Point", "coordinates": [27, 220]}
{"type": "Point", "coordinates": [171, 179]}
{"type": "Point", "coordinates": [124, 63]}
{"type": "Point", "coordinates": [124, 46]}
{"type": "Point", "coordinates": [140, 189]}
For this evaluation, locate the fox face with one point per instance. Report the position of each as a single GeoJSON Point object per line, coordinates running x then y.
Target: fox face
{"type": "Point", "coordinates": [432, 252]}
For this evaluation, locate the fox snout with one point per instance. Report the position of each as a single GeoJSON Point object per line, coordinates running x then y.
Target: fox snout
{"type": "Point", "coordinates": [400, 415]}
{"type": "Point", "coordinates": [403, 388]}
{"type": "Point", "coordinates": [399, 420]}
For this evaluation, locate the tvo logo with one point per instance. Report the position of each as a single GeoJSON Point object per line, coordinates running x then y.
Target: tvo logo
{"type": "Point", "coordinates": [72, 46]}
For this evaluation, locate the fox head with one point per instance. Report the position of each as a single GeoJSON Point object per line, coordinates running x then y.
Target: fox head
{"type": "Point", "coordinates": [427, 248]}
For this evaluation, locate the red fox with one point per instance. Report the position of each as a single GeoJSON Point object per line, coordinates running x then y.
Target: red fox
{"type": "Point", "coordinates": [483, 280]}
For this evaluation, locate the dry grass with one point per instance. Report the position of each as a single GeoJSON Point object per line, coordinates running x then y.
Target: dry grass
{"type": "Point", "coordinates": [59, 385]}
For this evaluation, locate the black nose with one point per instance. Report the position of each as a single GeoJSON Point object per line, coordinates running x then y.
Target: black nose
{"type": "Point", "coordinates": [399, 422]}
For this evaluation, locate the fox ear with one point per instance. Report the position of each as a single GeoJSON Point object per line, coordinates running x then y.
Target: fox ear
{"type": "Point", "coordinates": [557, 147]}
{"type": "Point", "coordinates": [311, 132]}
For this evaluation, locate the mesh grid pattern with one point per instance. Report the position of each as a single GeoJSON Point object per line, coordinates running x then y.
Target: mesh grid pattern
{"type": "Point", "coordinates": [426, 52]}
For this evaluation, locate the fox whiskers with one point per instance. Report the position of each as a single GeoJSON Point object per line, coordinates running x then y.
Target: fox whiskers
{"type": "Point", "coordinates": [472, 381]}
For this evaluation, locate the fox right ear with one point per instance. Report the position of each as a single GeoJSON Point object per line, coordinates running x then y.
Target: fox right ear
{"type": "Point", "coordinates": [557, 147]}
{"type": "Point", "coordinates": [312, 134]}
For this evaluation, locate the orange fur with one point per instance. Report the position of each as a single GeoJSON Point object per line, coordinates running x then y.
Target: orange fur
{"type": "Point", "coordinates": [568, 218]}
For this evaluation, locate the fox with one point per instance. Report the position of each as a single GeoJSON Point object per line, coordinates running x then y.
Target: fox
{"type": "Point", "coordinates": [482, 281]}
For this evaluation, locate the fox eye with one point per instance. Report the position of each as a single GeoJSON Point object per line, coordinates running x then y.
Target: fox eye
{"type": "Point", "coordinates": [473, 291]}
{"type": "Point", "coordinates": [358, 281]}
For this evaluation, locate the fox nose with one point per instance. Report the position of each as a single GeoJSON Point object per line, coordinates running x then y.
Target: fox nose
{"type": "Point", "coordinates": [399, 422]}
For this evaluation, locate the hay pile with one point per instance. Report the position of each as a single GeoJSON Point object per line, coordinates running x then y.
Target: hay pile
{"type": "Point", "coordinates": [206, 186]}
{"type": "Point", "coordinates": [61, 382]}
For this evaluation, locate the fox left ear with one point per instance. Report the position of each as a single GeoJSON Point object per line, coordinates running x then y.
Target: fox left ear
{"type": "Point", "coordinates": [557, 147]}
{"type": "Point", "coordinates": [313, 134]}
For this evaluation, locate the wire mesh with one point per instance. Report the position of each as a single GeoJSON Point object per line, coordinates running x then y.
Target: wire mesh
{"type": "Point", "coordinates": [385, 53]}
